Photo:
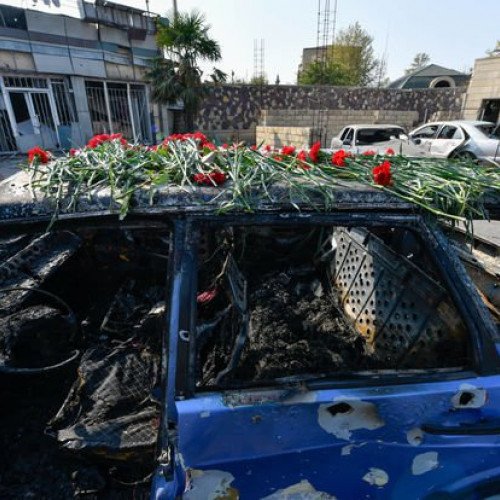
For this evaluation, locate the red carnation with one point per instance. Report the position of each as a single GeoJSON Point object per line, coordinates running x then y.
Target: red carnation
{"type": "Point", "coordinates": [339, 158]}
{"type": "Point", "coordinates": [390, 151]}
{"type": "Point", "coordinates": [253, 148]}
{"type": "Point", "coordinates": [302, 157]}
{"type": "Point", "coordinates": [211, 179]}
{"type": "Point", "coordinates": [199, 137]}
{"type": "Point", "coordinates": [369, 152]}
{"type": "Point", "coordinates": [40, 154]}
{"type": "Point", "coordinates": [210, 145]}
{"type": "Point", "coordinates": [73, 152]}
{"type": "Point", "coordinates": [267, 148]}
{"type": "Point", "coordinates": [99, 139]}
{"type": "Point", "coordinates": [278, 158]}
{"type": "Point", "coordinates": [382, 174]}
{"type": "Point", "coordinates": [112, 137]}
{"type": "Point", "coordinates": [288, 150]}
{"type": "Point", "coordinates": [314, 152]}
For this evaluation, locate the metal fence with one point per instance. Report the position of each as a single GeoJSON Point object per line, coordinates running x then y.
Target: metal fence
{"type": "Point", "coordinates": [42, 111]}
{"type": "Point", "coordinates": [119, 108]}
{"type": "Point", "coordinates": [7, 139]}
{"type": "Point", "coordinates": [38, 111]}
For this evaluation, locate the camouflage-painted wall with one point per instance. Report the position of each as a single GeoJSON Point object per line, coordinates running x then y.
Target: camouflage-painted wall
{"type": "Point", "coordinates": [238, 107]}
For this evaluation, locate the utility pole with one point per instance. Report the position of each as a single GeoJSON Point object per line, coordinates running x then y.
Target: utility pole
{"type": "Point", "coordinates": [176, 12]}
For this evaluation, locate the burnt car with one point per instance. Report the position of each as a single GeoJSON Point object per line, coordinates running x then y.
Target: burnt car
{"type": "Point", "coordinates": [273, 354]}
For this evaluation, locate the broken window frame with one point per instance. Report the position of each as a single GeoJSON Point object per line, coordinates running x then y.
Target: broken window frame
{"type": "Point", "coordinates": [479, 324]}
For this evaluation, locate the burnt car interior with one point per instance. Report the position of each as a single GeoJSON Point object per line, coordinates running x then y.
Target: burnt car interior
{"type": "Point", "coordinates": [83, 318]}
{"type": "Point", "coordinates": [280, 303]}
{"type": "Point", "coordinates": [81, 327]}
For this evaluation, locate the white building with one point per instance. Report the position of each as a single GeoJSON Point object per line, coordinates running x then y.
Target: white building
{"type": "Point", "coordinates": [70, 69]}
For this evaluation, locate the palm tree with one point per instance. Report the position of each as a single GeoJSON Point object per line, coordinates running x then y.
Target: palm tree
{"type": "Point", "coordinates": [185, 42]}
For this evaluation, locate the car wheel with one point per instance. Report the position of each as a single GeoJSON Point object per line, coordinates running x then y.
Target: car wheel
{"type": "Point", "coordinates": [464, 155]}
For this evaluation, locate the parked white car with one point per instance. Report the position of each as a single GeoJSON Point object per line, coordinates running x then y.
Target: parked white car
{"type": "Point", "coordinates": [363, 137]}
{"type": "Point", "coordinates": [475, 140]}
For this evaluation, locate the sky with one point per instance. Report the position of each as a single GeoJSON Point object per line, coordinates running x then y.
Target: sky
{"type": "Point", "coordinates": [453, 32]}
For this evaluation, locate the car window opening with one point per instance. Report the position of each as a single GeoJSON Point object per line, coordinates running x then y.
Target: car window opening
{"type": "Point", "coordinates": [100, 293]}
{"type": "Point", "coordinates": [369, 136]}
{"type": "Point", "coordinates": [276, 303]}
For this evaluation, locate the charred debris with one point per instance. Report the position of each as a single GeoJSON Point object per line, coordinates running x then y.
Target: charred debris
{"type": "Point", "coordinates": [82, 318]}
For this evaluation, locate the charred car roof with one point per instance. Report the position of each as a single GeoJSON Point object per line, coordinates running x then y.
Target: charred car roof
{"type": "Point", "coordinates": [19, 201]}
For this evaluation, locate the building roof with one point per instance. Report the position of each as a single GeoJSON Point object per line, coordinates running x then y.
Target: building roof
{"type": "Point", "coordinates": [427, 73]}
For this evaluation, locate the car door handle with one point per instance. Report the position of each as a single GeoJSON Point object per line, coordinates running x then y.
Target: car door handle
{"type": "Point", "coordinates": [485, 428]}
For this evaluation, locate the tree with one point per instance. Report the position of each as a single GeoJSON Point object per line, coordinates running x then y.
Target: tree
{"type": "Point", "coordinates": [419, 61]}
{"type": "Point", "coordinates": [185, 42]}
{"type": "Point", "coordinates": [359, 60]}
{"type": "Point", "coordinates": [327, 72]}
{"type": "Point", "coordinates": [259, 80]}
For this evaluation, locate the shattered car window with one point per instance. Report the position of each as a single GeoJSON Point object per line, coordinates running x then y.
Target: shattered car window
{"type": "Point", "coordinates": [368, 136]}
{"type": "Point", "coordinates": [275, 303]}
{"type": "Point", "coordinates": [94, 300]}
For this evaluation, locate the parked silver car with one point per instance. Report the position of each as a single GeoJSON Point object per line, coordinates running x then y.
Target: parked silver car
{"type": "Point", "coordinates": [363, 137]}
{"type": "Point", "coordinates": [475, 140]}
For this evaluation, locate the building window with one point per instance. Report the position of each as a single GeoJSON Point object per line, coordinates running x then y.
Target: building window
{"type": "Point", "coordinates": [442, 82]}
{"type": "Point", "coordinates": [12, 17]}
{"type": "Point", "coordinates": [25, 82]}
{"type": "Point", "coordinates": [119, 108]}
{"type": "Point", "coordinates": [97, 107]}
{"type": "Point", "coordinates": [64, 101]}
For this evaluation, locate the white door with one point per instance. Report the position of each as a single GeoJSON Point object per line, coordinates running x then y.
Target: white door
{"type": "Point", "coordinates": [422, 139]}
{"type": "Point", "coordinates": [34, 119]}
{"type": "Point", "coordinates": [449, 138]}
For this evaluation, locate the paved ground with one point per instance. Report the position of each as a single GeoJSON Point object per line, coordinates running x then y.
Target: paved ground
{"type": "Point", "coordinates": [489, 231]}
{"type": "Point", "coordinates": [9, 165]}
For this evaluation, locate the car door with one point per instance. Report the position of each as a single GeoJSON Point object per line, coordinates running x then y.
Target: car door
{"type": "Point", "coordinates": [371, 436]}
{"type": "Point", "coordinates": [448, 139]}
{"type": "Point", "coordinates": [344, 140]}
{"type": "Point", "coordinates": [422, 138]}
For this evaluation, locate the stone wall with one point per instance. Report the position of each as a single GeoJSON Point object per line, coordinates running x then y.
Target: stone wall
{"type": "Point", "coordinates": [331, 122]}
{"type": "Point", "coordinates": [237, 108]}
{"type": "Point", "coordinates": [301, 137]}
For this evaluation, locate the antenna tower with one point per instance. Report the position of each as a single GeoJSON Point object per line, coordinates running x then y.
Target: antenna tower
{"type": "Point", "coordinates": [258, 59]}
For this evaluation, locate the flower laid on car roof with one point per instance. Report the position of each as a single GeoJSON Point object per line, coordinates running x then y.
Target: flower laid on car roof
{"type": "Point", "coordinates": [382, 174]}
{"type": "Point", "coordinates": [211, 179]}
{"type": "Point", "coordinates": [339, 158]}
{"type": "Point", "coordinates": [302, 157]}
{"type": "Point", "coordinates": [287, 150]}
{"type": "Point", "coordinates": [39, 154]}
{"type": "Point", "coordinates": [314, 152]}
{"type": "Point", "coordinates": [99, 139]}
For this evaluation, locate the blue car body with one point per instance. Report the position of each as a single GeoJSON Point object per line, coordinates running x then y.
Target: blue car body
{"type": "Point", "coordinates": [432, 434]}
